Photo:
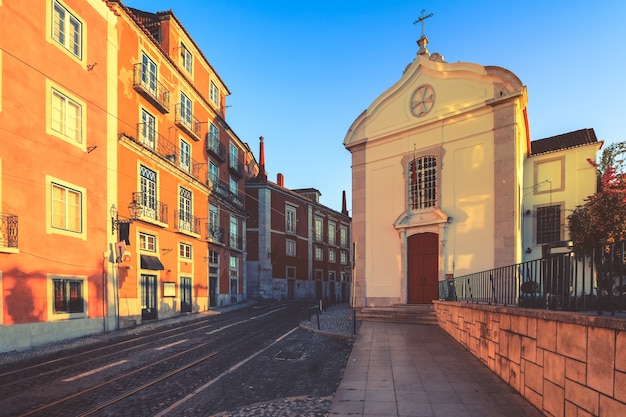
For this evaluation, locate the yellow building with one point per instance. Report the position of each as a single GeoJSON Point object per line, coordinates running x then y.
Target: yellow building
{"type": "Point", "coordinates": [438, 165]}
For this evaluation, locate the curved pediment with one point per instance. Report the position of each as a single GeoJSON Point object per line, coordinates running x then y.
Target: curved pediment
{"type": "Point", "coordinates": [428, 91]}
{"type": "Point", "coordinates": [425, 217]}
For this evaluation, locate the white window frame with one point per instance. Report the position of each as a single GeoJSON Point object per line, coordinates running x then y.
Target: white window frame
{"type": "Point", "coordinates": [423, 190]}
{"type": "Point", "coordinates": [233, 185]}
{"type": "Point", "coordinates": [214, 172]}
{"type": "Point", "coordinates": [319, 253]}
{"type": "Point", "coordinates": [68, 209]}
{"type": "Point", "coordinates": [343, 258]}
{"type": "Point", "coordinates": [332, 233]}
{"type": "Point", "coordinates": [185, 155]}
{"type": "Point", "coordinates": [214, 94]}
{"type": "Point", "coordinates": [233, 231]}
{"type": "Point", "coordinates": [332, 255]}
{"type": "Point", "coordinates": [184, 250]}
{"type": "Point", "coordinates": [147, 242]}
{"type": "Point", "coordinates": [149, 74]}
{"type": "Point", "coordinates": [186, 58]}
{"type": "Point", "coordinates": [186, 109]}
{"type": "Point", "coordinates": [343, 236]}
{"type": "Point", "coordinates": [290, 247]}
{"type": "Point", "coordinates": [147, 132]}
{"type": "Point", "coordinates": [319, 229]}
{"type": "Point", "coordinates": [64, 115]}
{"type": "Point", "coordinates": [233, 156]}
{"type": "Point", "coordinates": [290, 219]}
{"type": "Point", "coordinates": [67, 30]}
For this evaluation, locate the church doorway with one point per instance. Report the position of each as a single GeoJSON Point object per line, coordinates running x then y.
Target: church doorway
{"type": "Point", "coordinates": [423, 270]}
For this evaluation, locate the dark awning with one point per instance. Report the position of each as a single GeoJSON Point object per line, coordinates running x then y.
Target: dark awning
{"type": "Point", "coordinates": [151, 262]}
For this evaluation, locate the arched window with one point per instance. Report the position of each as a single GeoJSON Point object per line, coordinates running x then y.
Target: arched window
{"type": "Point", "coordinates": [423, 183]}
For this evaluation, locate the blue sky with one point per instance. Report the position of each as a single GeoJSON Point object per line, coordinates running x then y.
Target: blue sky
{"type": "Point", "coordinates": [301, 71]}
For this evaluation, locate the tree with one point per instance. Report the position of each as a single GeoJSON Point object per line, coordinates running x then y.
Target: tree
{"type": "Point", "coordinates": [602, 219]}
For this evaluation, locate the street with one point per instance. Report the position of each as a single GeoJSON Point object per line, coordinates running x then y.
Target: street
{"type": "Point", "coordinates": [199, 367]}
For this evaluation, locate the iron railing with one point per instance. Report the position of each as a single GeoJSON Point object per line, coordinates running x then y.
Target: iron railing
{"type": "Point", "coordinates": [236, 166]}
{"type": "Point", "coordinates": [146, 83]}
{"type": "Point", "coordinates": [215, 234]}
{"type": "Point", "coordinates": [574, 280]}
{"type": "Point", "coordinates": [186, 222]}
{"type": "Point", "coordinates": [187, 122]}
{"type": "Point", "coordinates": [214, 146]}
{"type": "Point", "coordinates": [149, 207]}
{"type": "Point", "coordinates": [8, 230]}
{"type": "Point", "coordinates": [222, 190]}
{"type": "Point", "coordinates": [235, 241]}
{"type": "Point", "coordinates": [160, 145]}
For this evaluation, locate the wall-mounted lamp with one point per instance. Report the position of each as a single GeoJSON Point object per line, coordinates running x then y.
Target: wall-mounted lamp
{"type": "Point", "coordinates": [527, 212]}
{"type": "Point", "coordinates": [528, 250]}
{"type": "Point", "coordinates": [133, 209]}
{"type": "Point", "coordinates": [450, 219]}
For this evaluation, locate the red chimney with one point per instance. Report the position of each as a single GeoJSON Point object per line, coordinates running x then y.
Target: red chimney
{"type": "Point", "coordinates": [262, 154]}
{"type": "Point", "coordinates": [344, 206]}
{"type": "Point", "coordinates": [280, 180]}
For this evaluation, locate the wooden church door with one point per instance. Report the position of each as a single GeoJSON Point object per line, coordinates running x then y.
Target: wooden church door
{"type": "Point", "coordinates": [423, 268]}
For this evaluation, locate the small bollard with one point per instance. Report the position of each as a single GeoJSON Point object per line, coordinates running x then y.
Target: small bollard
{"type": "Point", "coordinates": [354, 322]}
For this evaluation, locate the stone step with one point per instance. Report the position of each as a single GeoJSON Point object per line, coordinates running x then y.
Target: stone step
{"type": "Point", "coordinates": [414, 314]}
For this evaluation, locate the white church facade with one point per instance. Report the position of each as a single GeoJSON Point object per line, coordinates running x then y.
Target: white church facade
{"type": "Point", "coordinates": [438, 180]}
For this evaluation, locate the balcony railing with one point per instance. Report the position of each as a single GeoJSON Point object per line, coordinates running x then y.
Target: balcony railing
{"type": "Point", "coordinates": [8, 231]}
{"type": "Point", "coordinates": [215, 234]}
{"type": "Point", "coordinates": [235, 166]}
{"type": "Point", "coordinates": [223, 192]}
{"type": "Point", "coordinates": [148, 208]}
{"type": "Point", "coordinates": [215, 147]}
{"type": "Point", "coordinates": [582, 280]}
{"type": "Point", "coordinates": [187, 122]}
{"type": "Point", "coordinates": [186, 222]}
{"type": "Point", "coordinates": [146, 83]}
{"type": "Point", "coordinates": [235, 242]}
{"type": "Point", "coordinates": [148, 137]}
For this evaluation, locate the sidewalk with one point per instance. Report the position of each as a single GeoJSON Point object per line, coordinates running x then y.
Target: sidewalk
{"type": "Point", "coordinates": [418, 370]}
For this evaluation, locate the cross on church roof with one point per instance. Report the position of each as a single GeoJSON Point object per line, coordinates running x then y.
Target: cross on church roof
{"type": "Point", "coordinates": [421, 19]}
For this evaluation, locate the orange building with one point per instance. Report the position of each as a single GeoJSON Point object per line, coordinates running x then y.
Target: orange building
{"type": "Point", "coordinates": [55, 126]}
{"type": "Point", "coordinates": [180, 176]}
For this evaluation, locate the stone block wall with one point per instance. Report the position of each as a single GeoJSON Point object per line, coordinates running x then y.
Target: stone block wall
{"type": "Point", "coordinates": [566, 364]}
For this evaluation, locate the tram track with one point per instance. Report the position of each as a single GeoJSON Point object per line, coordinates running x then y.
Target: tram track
{"type": "Point", "coordinates": [220, 352]}
{"type": "Point", "coordinates": [19, 374]}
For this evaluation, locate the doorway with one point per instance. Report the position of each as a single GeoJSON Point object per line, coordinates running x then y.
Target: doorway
{"type": "Point", "coordinates": [423, 268]}
{"type": "Point", "coordinates": [148, 297]}
{"type": "Point", "coordinates": [185, 294]}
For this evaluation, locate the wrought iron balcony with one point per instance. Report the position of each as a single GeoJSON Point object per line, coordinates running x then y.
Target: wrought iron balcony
{"type": "Point", "coordinates": [186, 121]}
{"type": "Point", "coordinates": [222, 191]}
{"type": "Point", "coordinates": [186, 222]}
{"type": "Point", "coordinates": [148, 208]}
{"type": "Point", "coordinates": [235, 166]}
{"type": "Point", "coordinates": [215, 234]}
{"type": "Point", "coordinates": [235, 241]}
{"type": "Point", "coordinates": [8, 231]}
{"type": "Point", "coordinates": [148, 137]}
{"type": "Point", "coordinates": [145, 83]}
{"type": "Point", "coordinates": [214, 147]}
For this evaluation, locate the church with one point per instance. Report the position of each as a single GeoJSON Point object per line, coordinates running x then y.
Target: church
{"type": "Point", "coordinates": [444, 182]}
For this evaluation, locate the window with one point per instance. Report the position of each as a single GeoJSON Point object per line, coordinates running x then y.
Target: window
{"type": "Point", "coordinates": [290, 219]}
{"type": "Point", "coordinates": [343, 236]}
{"type": "Point", "coordinates": [232, 185]}
{"type": "Point", "coordinates": [318, 274]}
{"type": "Point", "coordinates": [184, 250]}
{"type": "Point", "coordinates": [68, 295]}
{"type": "Point", "coordinates": [291, 272]}
{"type": "Point", "coordinates": [147, 130]}
{"type": "Point", "coordinates": [214, 232]}
{"type": "Point", "coordinates": [214, 94]}
{"type": "Point", "coordinates": [319, 235]}
{"type": "Point", "coordinates": [331, 255]}
{"type": "Point", "coordinates": [66, 208]}
{"type": "Point", "coordinates": [548, 224]}
{"type": "Point", "coordinates": [332, 275]}
{"type": "Point", "coordinates": [147, 242]}
{"type": "Point", "coordinates": [186, 58]}
{"type": "Point", "coordinates": [290, 247]}
{"type": "Point", "coordinates": [67, 30]}
{"type": "Point", "coordinates": [343, 258]}
{"type": "Point", "coordinates": [319, 254]}
{"type": "Point", "coordinates": [148, 74]}
{"type": "Point", "coordinates": [185, 156]}
{"type": "Point", "coordinates": [185, 217]}
{"type": "Point", "coordinates": [186, 109]}
{"type": "Point", "coordinates": [147, 197]}
{"type": "Point", "coordinates": [66, 116]}
{"type": "Point", "coordinates": [214, 138]}
{"type": "Point", "coordinates": [213, 172]}
{"type": "Point", "coordinates": [423, 183]}
{"type": "Point", "coordinates": [214, 257]}
{"type": "Point", "coordinates": [234, 232]}
{"type": "Point", "coordinates": [332, 233]}
{"type": "Point", "coordinates": [233, 159]}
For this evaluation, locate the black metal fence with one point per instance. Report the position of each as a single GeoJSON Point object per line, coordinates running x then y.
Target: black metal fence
{"type": "Point", "coordinates": [570, 280]}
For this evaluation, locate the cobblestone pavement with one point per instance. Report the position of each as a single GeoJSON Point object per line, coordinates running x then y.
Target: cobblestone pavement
{"type": "Point", "coordinates": [337, 321]}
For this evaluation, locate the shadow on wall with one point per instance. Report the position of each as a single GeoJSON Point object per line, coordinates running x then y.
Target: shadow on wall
{"type": "Point", "coordinates": [19, 298]}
